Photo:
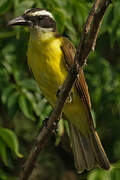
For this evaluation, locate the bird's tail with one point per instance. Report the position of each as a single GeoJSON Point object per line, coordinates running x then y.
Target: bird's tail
{"type": "Point", "coordinates": [87, 150]}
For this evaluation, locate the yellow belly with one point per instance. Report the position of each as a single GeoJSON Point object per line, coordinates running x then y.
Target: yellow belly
{"type": "Point", "coordinates": [47, 63]}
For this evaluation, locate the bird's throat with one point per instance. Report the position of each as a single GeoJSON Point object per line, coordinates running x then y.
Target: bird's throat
{"type": "Point", "coordinates": [41, 34]}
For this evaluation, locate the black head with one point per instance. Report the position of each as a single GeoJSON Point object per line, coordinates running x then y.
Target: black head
{"type": "Point", "coordinates": [36, 17]}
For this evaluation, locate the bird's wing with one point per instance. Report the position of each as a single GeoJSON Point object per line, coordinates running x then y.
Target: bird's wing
{"type": "Point", "coordinates": [80, 83]}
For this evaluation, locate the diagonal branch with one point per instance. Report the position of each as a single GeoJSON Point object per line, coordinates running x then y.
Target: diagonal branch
{"type": "Point", "coordinates": [87, 43]}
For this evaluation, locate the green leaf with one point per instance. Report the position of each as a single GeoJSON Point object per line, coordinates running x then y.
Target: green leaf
{"type": "Point", "coordinates": [23, 6]}
{"type": "Point", "coordinates": [41, 105]}
{"type": "Point", "coordinates": [2, 175]}
{"type": "Point", "coordinates": [5, 176]}
{"type": "Point", "coordinates": [29, 84]}
{"type": "Point", "coordinates": [46, 111]}
{"type": "Point", "coordinates": [115, 171]}
{"type": "Point", "coordinates": [32, 101]}
{"type": "Point", "coordinates": [98, 174]}
{"type": "Point", "coordinates": [3, 75]}
{"type": "Point", "coordinates": [13, 104]}
{"type": "Point", "coordinates": [12, 100]}
{"type": "Point", "coordinates": [5, 5]}
{"type": "Point", "coordinates": [26, 107]}
{"type": "Point", "coordinates": [7, 34]}
{"type": "Point", "coordinates": [11, 140]}
{"type": "Point", "coordinates": [7, 93]}
{"type": "Point", "coordinates": [60, 19]}
{"type": "Point", "coordinates": [3, 152]}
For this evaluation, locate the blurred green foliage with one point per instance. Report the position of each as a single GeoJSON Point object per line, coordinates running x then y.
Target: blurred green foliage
{"type": "Point", "coordinates": [22, 106]}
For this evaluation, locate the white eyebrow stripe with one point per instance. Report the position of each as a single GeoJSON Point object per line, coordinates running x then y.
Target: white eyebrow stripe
{"type": "Point", "coordinates": [42, 13]}
{"type": "Point", "coordinates": [26, 10]}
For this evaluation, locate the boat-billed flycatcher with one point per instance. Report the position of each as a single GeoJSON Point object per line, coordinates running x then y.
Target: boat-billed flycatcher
{"type": "Point", "coordinates": [50, 56]}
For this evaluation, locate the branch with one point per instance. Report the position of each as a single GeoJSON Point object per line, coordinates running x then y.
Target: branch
{"type": "Point", "coordinates": [87, 43]}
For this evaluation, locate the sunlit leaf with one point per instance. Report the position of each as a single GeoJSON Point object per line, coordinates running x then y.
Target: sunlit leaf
{"type": "Point", "coordinates": [98, 174]}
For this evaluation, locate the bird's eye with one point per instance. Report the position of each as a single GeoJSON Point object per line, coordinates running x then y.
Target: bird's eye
{"type": "Point", "coordinates": [40, 17]}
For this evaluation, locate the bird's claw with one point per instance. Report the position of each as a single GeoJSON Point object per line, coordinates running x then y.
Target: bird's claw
{"type": "Point", "coordinates": [69, 99]}
{"type": "Point", "coordinates": [54, 126]}
{"type": "Point", "coordinates": [58, 91]}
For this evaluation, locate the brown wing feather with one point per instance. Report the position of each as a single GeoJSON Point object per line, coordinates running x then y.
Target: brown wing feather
{"type": "Point", "coordinates": [80, 83]}
{"type": "Point", "coordinates": [88, 151]}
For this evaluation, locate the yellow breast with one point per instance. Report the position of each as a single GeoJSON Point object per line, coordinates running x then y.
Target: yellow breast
{"type": "Point", "coordinates": [45, 60]}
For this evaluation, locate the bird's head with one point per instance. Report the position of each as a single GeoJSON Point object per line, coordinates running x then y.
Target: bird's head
{"type": "Point", "coordinates": [36, 18]}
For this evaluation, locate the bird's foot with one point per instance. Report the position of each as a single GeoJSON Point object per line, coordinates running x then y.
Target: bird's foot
{"type": "Point", "coordinates": [69, 99]}
{"type": "Point", "coordinates": [58, 91]}
{"type": "Point", "coordinates": [54, 126]}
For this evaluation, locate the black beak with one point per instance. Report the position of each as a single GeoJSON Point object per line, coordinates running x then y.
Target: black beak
{"type": "Point", "coordinates": [18, 21]}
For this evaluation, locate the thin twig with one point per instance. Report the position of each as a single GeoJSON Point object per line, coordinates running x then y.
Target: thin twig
{"type": "Point", "coordinates": [88, 40]}
{"type": "Point", "coordinates": [85, 32]}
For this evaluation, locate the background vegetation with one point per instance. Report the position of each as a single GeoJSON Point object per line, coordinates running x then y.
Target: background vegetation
{"type": "Point", "coordinates": [23, 108]}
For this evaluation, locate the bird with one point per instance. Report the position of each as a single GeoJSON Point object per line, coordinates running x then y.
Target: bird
{"type": "Point", "coordinates": [50, 56]}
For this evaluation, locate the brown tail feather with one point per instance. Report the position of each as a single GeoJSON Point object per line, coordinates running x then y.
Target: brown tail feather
{"type": "Point", "coordinates": [88, 151]}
